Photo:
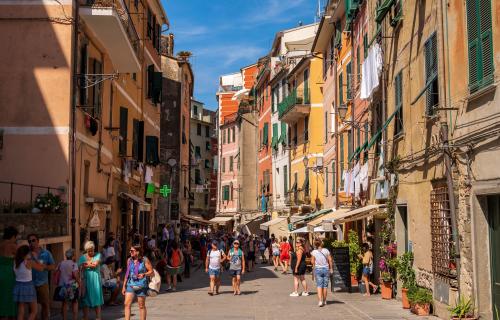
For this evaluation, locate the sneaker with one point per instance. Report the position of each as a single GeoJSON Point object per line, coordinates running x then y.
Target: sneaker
{"type": "Point", "coordinates": [294, 294]}
{"type": "Point", "coordinates": [305, 294]}
{"type": "Point", "coordinates": [320, 303]}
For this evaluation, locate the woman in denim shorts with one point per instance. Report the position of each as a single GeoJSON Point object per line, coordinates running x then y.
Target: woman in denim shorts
{"type": "Point", "coordinates": [322, 268]}
{"type": "Point", "coordinates": [135, 283]}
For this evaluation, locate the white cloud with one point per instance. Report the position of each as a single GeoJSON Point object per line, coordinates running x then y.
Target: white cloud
{"type": "Point", "coordinates": [272, 11]}
{"type": "Point", "coordinates": [192, 31]}
{"type": "Point", "coordinates": [226, 55]}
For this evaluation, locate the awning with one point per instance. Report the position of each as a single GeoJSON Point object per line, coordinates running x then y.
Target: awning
{"type": "Point", "coordinates": [295, 219]}
{"type": "Point", "coordinates": [221, 220]}
{"type": "Point", "coordinates": [300, 230]}
{"type": "Point", "coordinates": [303, 44]}
{"type": "Point", "coordinates": [319, 220]}
{"type": "Point", "coordinates": [356, 214]}
{"type": "Point", "coordinates": [196, 219]}
{"type": "Point", "coordinates": [266, 225]}
{"type": "Point", "coordinates": [238, 95]}
{"type": "Point", "coordinates": [143, 205]}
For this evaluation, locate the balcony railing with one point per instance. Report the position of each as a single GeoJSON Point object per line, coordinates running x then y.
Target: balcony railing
{"type": "Point", "coordinates": [125, 19]}
{"type": "Point", "coordinates": [296, 97]}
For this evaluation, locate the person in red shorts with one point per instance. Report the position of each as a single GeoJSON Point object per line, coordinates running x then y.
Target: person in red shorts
{"type": "Point", "coordinates": [284, 254]}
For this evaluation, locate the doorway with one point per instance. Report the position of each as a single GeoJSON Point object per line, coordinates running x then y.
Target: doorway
{"type": "Point", "coordinates": [494, 230]}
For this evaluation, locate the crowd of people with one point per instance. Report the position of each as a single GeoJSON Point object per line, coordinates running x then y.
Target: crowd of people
{"type": "Point", "coordinates": [85, 282]}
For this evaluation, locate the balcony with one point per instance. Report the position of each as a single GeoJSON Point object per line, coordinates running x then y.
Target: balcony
{"type": "Point", "coordinates": [111, 23]}
{"type": "Point", "coordinates": [295, 106]}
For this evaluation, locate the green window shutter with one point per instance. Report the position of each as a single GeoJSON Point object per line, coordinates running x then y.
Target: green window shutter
{"type": "Point", "coordinates": [265, 134]}
{"type": "Point", "coordinates": [358, 65]}
{"type": "Point", "coordinates": [285, 179]}
{"type": "Point", "coordinates": [480, 44]}
{"type": "Point", "coordinates": [349, 144]}
{"type": "Point", "coordinates": [341, 89]}
{"type": "Point", "coordinates": [275, 137]}
{"type": "Point", "coordinates": [157, 87]}
{"type": "Point", "coordinates": [349, 80]}
{"type": "Point", "coordinates": [283, 133]}
{"type": "Point", "coordinates": [226, 193]}
{"type": "Point", "coordinates": [431, 71]}
{"type": "Point", "coordinates": [398, 98]}
{"type": "Point", "coordinates": [326, 181]}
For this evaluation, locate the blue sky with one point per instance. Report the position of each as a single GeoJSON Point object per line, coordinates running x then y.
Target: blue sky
{"type": "Point", "coordinates": [225, 35]}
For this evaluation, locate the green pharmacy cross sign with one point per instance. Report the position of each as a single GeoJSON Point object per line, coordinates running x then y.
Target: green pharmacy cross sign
{"type": "Point", "coordinates": [165, 190]}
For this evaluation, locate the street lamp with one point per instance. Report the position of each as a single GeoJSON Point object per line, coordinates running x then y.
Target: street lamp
{"type": "Point", "coordinates": [306, 161]}
{"type": "Point", "coordinates": [342, 111]}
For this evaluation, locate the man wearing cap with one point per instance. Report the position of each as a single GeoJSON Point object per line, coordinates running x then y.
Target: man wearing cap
{"type": "Point", "coordinates": [236, 266]}
{"type": "Point", "coordinates": [213, 264]}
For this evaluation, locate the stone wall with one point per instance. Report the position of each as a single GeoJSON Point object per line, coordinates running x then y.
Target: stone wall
{"type": "Point", "coordinates": [45, 225]}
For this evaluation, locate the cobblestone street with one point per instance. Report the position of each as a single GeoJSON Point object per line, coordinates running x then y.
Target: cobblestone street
{"type": "Point", "coordinates": [264, 296]}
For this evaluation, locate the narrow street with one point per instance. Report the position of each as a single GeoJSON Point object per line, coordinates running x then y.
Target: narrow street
{"type": "Point", "coordinates": [264, 296]}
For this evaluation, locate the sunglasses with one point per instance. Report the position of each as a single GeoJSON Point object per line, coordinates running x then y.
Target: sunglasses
{"type": "Point", "coordinates": [32, 240]}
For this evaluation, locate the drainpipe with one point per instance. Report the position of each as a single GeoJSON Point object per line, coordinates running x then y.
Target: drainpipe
{"type": "Point", "coordinates": [99, 147]}
{"type": "Point", "coordinates": [352, 102]}
{"type": "Point", "coordinates": [335, 113]}
{"type": "Point", "coordinates": [74, 81]}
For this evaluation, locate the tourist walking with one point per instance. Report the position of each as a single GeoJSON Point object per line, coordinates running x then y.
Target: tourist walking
{"type": "Point", "coordinates": [24, 293]}
{"type": "Point", "coordinates": [91, 296]}
{"type": "Point", "coordinates": [213, 266]}
{"type": "Point", "coordinates": [367, 260]}
{"type": "Point", "coordinates": [135, 283]}
{"type": "Point", "coordinates": [252, 248]}
{"type": "Point", "coordinates": [298, 265]}
{"type": "Point", "coordinates": [175, 263]}
{"type": "Point", "coordinates": [108, 252]}
{"type": "Point", "coordinates": [187, 252]}
{"type": "Point", "coordinates": [67, 279]}
{"type": "Point", "coordinates": [322, 269]}
{"type": "Point", "coordinates": [41, 277]}
{"type": "Point", "coordinates": [8, 247]}
{"type": "Point", "coordinates": [262, 249]}
{"type": "Point", "coordinates": [284, 254]}
{"type": "Point", "coordinates": [275, 253]}
{"type": "Point", "coordinates": [236, 266]}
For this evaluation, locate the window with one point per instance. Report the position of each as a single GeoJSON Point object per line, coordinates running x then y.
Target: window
{"type": "Point", "coordinates": [366, 141]}
{"type": "Point", "coordinates": [341, 156]}
{"type": "Point", "coordinates": [225, 193]}
{"type": "Point", "coordinates": [207, 131]}
{"type": "Point", "coordinates": [86, 175]}
{"type": "Point", "coordinates": [334, 177]}
{"type": "Point", "coordinates": [358, 66]}
{"type": "Point", "coordinates": [206, 198]}
{"type": "Point", "coordinates": [480, 43]}
{"type": "Point", "coordinates": [326, 127]}
{"type": "Point", "coordinates": [197, 152]}
{"type": "Point", "coordinates": [365, 45]}
{"type": "Point", "coordinates": [152, 154]}
{"type": "Point", "coordinates": [207, 145]}
{"type": "Point", "coordinates": [83, 70]}
{"type": "Point", "coordinates": [138, 140]}
{"type": "Point", "coordinates": [307, 99]}
{"type": "Point", "coordinates": [296, 179]}
{"type": "Point", "coordinates": [234, 134]}
{"type": "Point", "coordinates": [231, 190]}
{"type": "Point", "coordinates": [431, 75]}
{"type": "Point", "coordinates": [154, 84]}
{"type": "Point", "coordinates": [348, 70]}
{"type": "Point", "coordinates": [306, 183]}
{"type": "Point", "coordinates": [296, 133]}
{"type": "Point", "coordinates": [398, 98]}
{"type": "Point", "coordinates": [207, 164]}
{"type": "Point", "coordinates": [349, 144]}
{"type": "Point", "coordinates": [95, 91]}
{"type": "Point", "coordinates": [228, 135]}
{"type": "Point", "coordinates": [332, 48]}
{"type": "Point", "coordinates": [150, 74]}
{"type": "Point", "coordinates": [197, 176]}
{"type": "Point", "coordinates": [150, 24]}
{"type": "Point", "coordinates": [223, 136]}
{"type": "Point", "coordinates": [198, 129]}
{"type": "Point", "coordinates": [195, 112]}
{"type": "Point", "coordinates": [123, 131]}
{"type": "Point", "coordinates": [326, 181]}
{"type": "Point", "coordinates": [341, 89]}
{"type": "Point", "coordinates": [441, 232]}
{"type": "Point", "coordinates": [283, 137]}
{"type": "Point", "coordinates": [231, 166]}
{"type": "Point", "coordinates": [306, 128]}
{"type": "Point", "coordinates": [285, 179]}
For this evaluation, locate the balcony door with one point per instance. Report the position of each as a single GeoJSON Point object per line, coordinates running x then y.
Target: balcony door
{"type": "Point", "coordinates": [306, 86]}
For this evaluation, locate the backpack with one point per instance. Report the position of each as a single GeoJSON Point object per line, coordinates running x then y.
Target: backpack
{"type": "Point", "coordinates": [175, 258]}
{"type": "Point", "coordinates": [154, 284]}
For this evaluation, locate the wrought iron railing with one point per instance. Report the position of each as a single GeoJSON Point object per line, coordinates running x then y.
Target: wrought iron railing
{"type": "Point", "coordinates": [294, 98]}
{"type": "Point", "coordinates": [20, 198]}
{"type": "Point", "coordinates": [125, 19]}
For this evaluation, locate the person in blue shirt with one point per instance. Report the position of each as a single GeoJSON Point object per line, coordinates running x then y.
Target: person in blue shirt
{"type": "Point", "coordinates": [41, 278]}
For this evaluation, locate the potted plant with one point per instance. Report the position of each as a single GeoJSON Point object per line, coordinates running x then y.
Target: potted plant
{"type": "Point", "coordinates": [386, 284]}
{"type": "Point", "coordinates": [406, 275]}
{"type": "Point", "coordinates": [354, 252]}
{"type": "Point", "coordinates": [463, 309]}
{"type": "Point", "coordinates": [420, 300]}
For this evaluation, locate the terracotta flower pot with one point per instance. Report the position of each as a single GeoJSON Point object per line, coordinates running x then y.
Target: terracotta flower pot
{"type": "Point", "coordinates": [386, 290]}
{"type": "Point", "coordinates": [421, 309]}
{"type": "Point", "coordinates": [404, 298]}
{"type": "Point", "coordinates": [354, 280]}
